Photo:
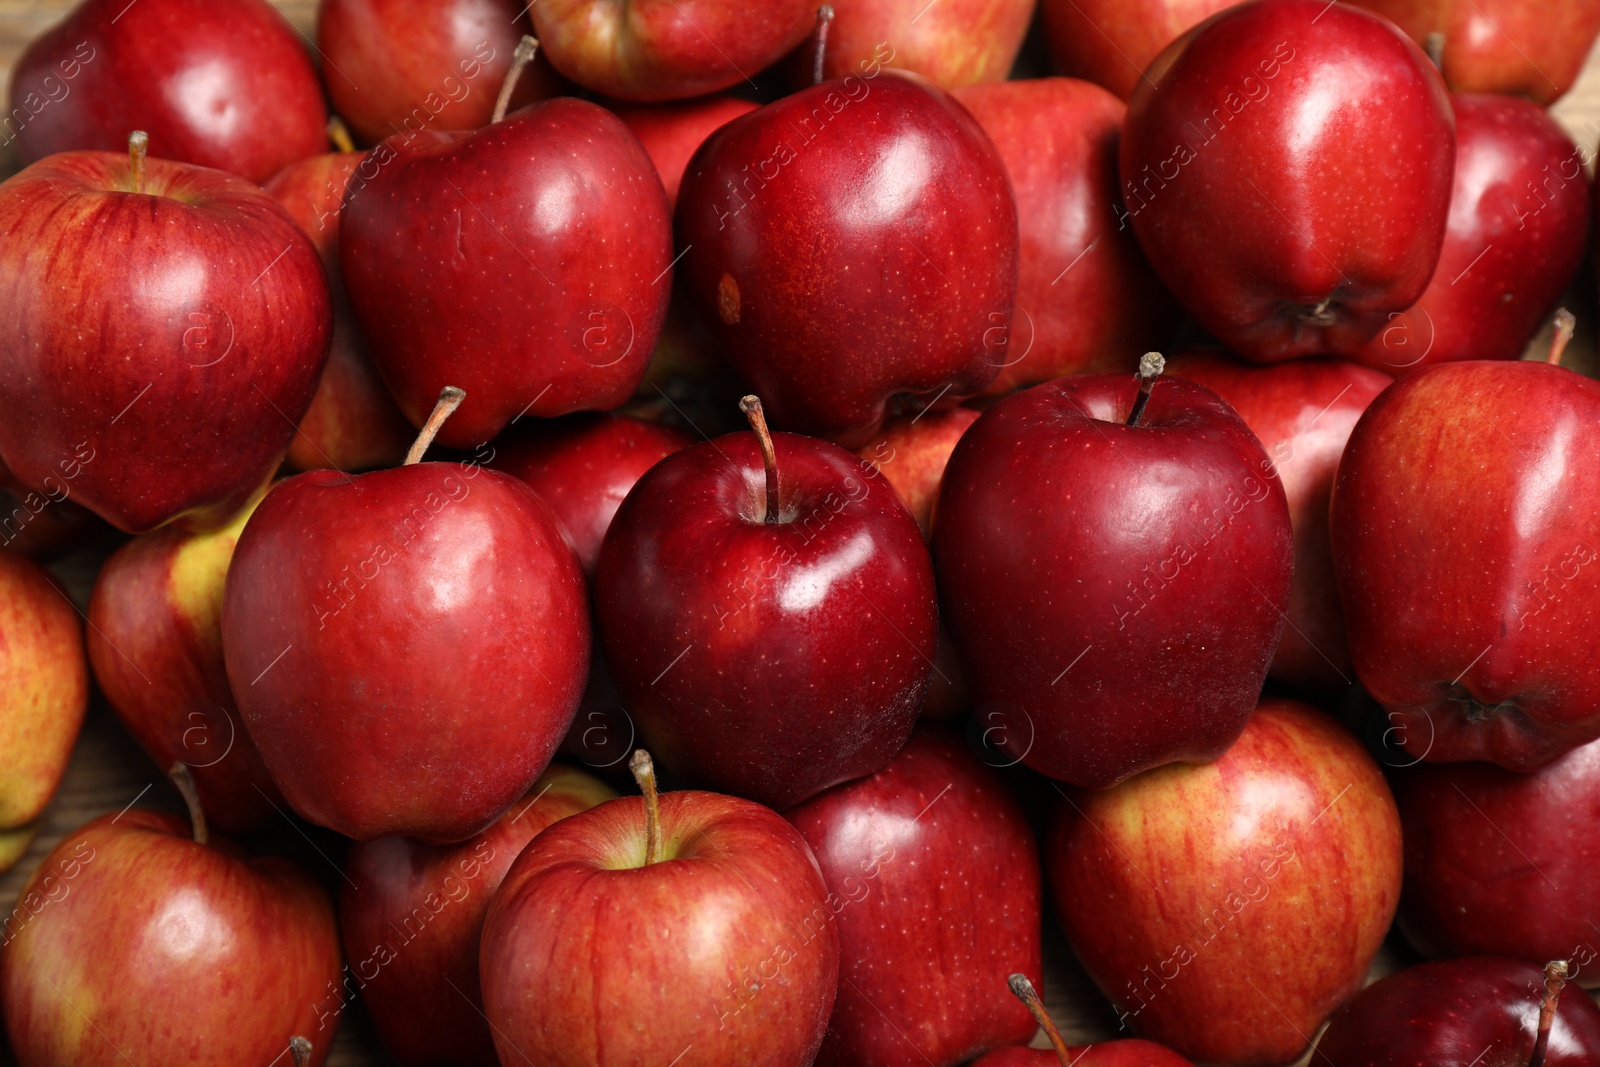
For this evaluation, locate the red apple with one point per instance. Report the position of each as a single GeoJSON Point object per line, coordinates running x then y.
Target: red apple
{"type": "Point", "coordinates": [672, 132]}
{"type": "Point", "coordinates": [937, 878]}
{"type": "Point", "coordinates": [1129, 1052]}
{"type": "Point", "coordinates": [953, 42]}
{"type": "Point", "coordinates": [1462, 532]}
{"type": "Point", "coordinates": [1227, 910]}
{"type": "Point", "coordinates": [1114, 563]}
{"type": "Point", "coordinates": [1111, 42]}
{"type": "Point", "coordinates": [411, 915]}
{"type": "Point", "coordinates": [1269, 192]}
{"type": "Point", "coordinates": [404, 66]}
{"type": "Point", "coordinates": [583, 466]}
{"type": "Point", "coordinates": [1519, 224]}
{"type": "Point", "coordinates": [767, 646]}
{"type": "Point", "coordinates": [1302, 412]}
{"type": "Point", "coordinates": [855, 240]}
{"type": "Point", "coordinates": [702, 934]}
{"type": "Point", "coordinates": [911, 452]}
{"type": "Point", "coordinates": [217, 83]}
{"type": "Point", "coordinates": [168, 324]}
{"type": "Point", "coordinates": [528, 263]}
{"type": "Point", "coordinates": [45, 523]}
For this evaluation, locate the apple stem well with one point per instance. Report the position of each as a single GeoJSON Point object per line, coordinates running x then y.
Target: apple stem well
{"type": "Point", "coordinates": [450, 398]}
{"type": "Point", "coordinates": [527, 48]}
{"type": "Point", "coordinates": [300, 1049]}
{"type": "Point", "coordinates": [751, 406]}
{"type": "Point", "coordinates": [1555, 980]}
{"type": "Point", "coordinates": [138, 145]}
{"type": "Point", "coordinates": [824, 20]}
{"type": "Point", "coordinates": [644, 772]}
{"type": "Point", "coordinates": [1024, 991]}
{"type": "Point", "coordinates": [179, 773]}
{"type": "Point", "coordinates": [1565, 325]}
{"type": "Point", "coordinates": [339, 134]}
{"type": "Point", "coordinates": [1150, 367]}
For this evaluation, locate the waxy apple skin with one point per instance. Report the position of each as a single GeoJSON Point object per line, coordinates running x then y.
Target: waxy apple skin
{"type": "Point", "coordinates": [839, 260]}
{"type": "Point", "coordinates": [767, 660]}
{"type": "Point", "coordinates": [1463, 545]}
{"type": "Point", "coordinates": [954, 43]}
{"type": "Point", "coordinates": [1302, 411]}
{"type": "Point", "coordinates": [407, 647]}
{"type": "Point", "coordinates": [1270, 195]}
{"type": "Point", "coordinates": [1127, 1052]}
{"type": "Point", "coordinates": [1115, 593]}
{"type": "Point", "coordinates": [216, 83]}
{"type": "Point", "coordinates": [1111, 42]}
{"type": "Point", "coordinates": [1481, 1011]}
{"type": "Point", "coordinates": [672, 133]}
{"type": "Point", "coordinates": [1277, 866]}
{"type": "Point", "coordinates": [160, 344]}
{"type": "Point", "coordinates": [1519, 224]}
{"type": "Point", "coordinates": [149, 948]}
{"type": "Point", "coordinates": [410, 916]}
{"type": "Point", "coordinates": [940, 874]}
{"type": "Point", "coordinates": [528, 263]}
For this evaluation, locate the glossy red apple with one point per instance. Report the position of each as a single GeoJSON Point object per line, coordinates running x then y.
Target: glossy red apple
{"type": "Point", "coordinates": [410, 916]}
{"type": "Point", "coordinates": [767, 644]}
{"type": "Point", "coordinates": [911, 452]}
{"type": "Point", "coordinates": [1463, 544]}
{"type": "Point", "coordinates": [1111, 42]}
{"type": "Point", "coordinates": [855, 240]}
{"type": "Point", "coordinates": [407, 647]}
{"type": "Point", "coordinates": [936, 875]}
{"type": "Point", "coordinates": [217, 83]}
{"type": "Point", "coordinates": [1114, 564]}
{"type": "Point", "coordinates": [703, 934]}
{"type": "Point", "coordinates": [528, 263]}
{"type": "Point", "coordinates": [1476, 1012]}
{"type": "Point", "coordinates": [672, 132]}
{"type": "Point", "coordinates": [1266, 189]}
{"type": "Point", "coordinates": [1519, 224]}
{"type": "Point", "coordinates": [168, 324]}
{"type": "Point", "coordinates": [1302, 411]}
{"type": "Point", "coordinates": [1086, 299]}
{"type": "Point", "coordinates": [45, 523]}
{"type": "Point", "coordinates": [954, 42]}
{"type": "Point", "coordinates": [1128, 1052]}
{"type": "Point", "coordinates": [1228, 909]}
{"type": "Point", "coordinates": [404, 66]}
{"type": "Point", "coordinates": [583, 466]}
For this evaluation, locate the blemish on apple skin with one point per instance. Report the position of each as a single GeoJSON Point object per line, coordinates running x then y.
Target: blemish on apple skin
{"type": "Point", "coordinates": [728, 299]}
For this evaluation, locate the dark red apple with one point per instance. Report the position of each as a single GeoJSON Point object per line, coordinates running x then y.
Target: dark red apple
{"type": "Point", "coordinates": [1519, 224]}
{"type": "Point", "coordinates": [672, 132]}
{"type": "Point", "coordinates": [1114, 564]}
{"type": "Point", "coordinates": [1463, 544]}
{"type": "Point", "coordinates": [1111, 42]}
{"type": "Point", "coordinates": [46, 523]}
{"type": "Point", "coordinates": [217, 83]}
{"type": "Point", "coordinates": [1302, 411]}
{"type": "Point", "coordinates": [769, 645]}
{"type": "Point", "coordinates": [701, 932]}
{"type": "Point", "coordinates": [410, 916]}
{"type": "Point", "coordinates": [936, 876]}
{"type": "Point", "coordinates": [911, 452]}
{"type": "Point", "coordinates": [953, 42]}
{"type": "Point", "coordinates": [167, 326]}
{"type": "Point", "coordinates": [528, 263]}
{"type": "Point", "coordinates": [1228, 909]}
{"type": "Point", "coordinates": [1128, 1052]}
{"type": "Point", "coordinates": [1086, 299]}
{"type": "Point", "coordinates": [1267, 189]}
{"type": "Point", "coordinates": [855, 240]}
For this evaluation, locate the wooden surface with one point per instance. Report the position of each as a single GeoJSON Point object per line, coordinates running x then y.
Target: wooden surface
{"type": "Point", "coordinates": [108, 771]}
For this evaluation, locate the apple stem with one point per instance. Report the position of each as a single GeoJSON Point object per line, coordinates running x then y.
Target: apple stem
{"type": "Point", "coordinates": [1555, 980]}
{"type": "Point", "coordinates": [1566, 323]}
{"type": "Point", "coordinates": [300, 1049]}
{"type": "Point", "coordinates": [339, 134]}
{"type": "Point", "coordinates": [1030, 996]}
{"type": "Point", "coordinates": [138, 144]}
{"type": "Point", "coordinates": [824, 20]}
{"type": "Point", "coordinates": [1433, 44]}
{"type": "Point", "coordinates": [644, 772]}
{"type": "Point", "coordinates": [527, 48]}
{"type": "Point", "coordinates": [450, 398]}
{"type": "Point", "coordinates": [751, 406]}
{"type": "Point", "coordinates": [179, 773]}
{"type": "Point", "coordinates": [1150, 367]}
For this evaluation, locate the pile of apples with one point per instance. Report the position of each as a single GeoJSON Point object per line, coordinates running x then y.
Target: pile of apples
{"type": "Point", "coordinates": [1159, 534]}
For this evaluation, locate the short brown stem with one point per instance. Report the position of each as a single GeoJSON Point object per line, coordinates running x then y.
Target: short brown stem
{"type": "Point", "coordinates": [300, 1049]}
{"type": "Point", "coordinates": [527, 48]}
{"type": "Point", "coordinates": [1433, 44]}
{"type": "Point", "coordinates": [644, 772]}
{"type": "Point", "coordinates": [450, 398]}
{"type": "Point", "coordinates": [179, 773]}
{"type": "Point", "coordinates": [819, 54]}
{"type": "Point", "coordinates": [339, 134]}
{"type": "Point", "coordinates": [751, 406]}
{"type": "Point", "coordinates": [1150, 367]}
{"type": "Point", "coordinates": [1024, 991]}
{"type": "Point", "coordinates": [1566, 323]}
{"type": "Point", "coordinates": [138, 145]}
{"type": "Point", "coordinates": [1555, 980]}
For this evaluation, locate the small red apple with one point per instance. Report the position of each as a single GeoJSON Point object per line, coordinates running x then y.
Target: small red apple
{"type": "Point", "coordinates": [1128, 1052]}
{"type": "Point", "coordinates": [953, 42]}
{"type": "Point", "coordinates": [1111, 42]}
{"type": "Point", "coordinates": [672, 133]}
{"type": "Point", "coordinates": [44, 524]}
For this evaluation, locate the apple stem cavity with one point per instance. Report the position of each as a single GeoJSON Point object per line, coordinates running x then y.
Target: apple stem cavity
{"type": "Point", "coordinates": [138, 144]}
{"type": "Point", "coordinates": [450, 398]}
{"type": "Point", "coordinates": [1555, 980]}
{"type": "Point", "coordinates": [824, 20]}
{"type": "Point", "coordinates": [179, 773]}
{"type": "Point", "coordinates": [1151, 364]}
{"type": "Point", "coordinates": [1566, 323]}
{"type": "Point", "coordinates": [527, 48]}
{"type": "Point", "coordinates": [1024, 991]}
{"type": "Point", "coordinates": [644, 772]}
{"type": "Point", "coordinates": [300, 1049]}
{"type": "Point", "coordinates": [339, 134]}
{"type": "Point", "coordinates": [751, 406]}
